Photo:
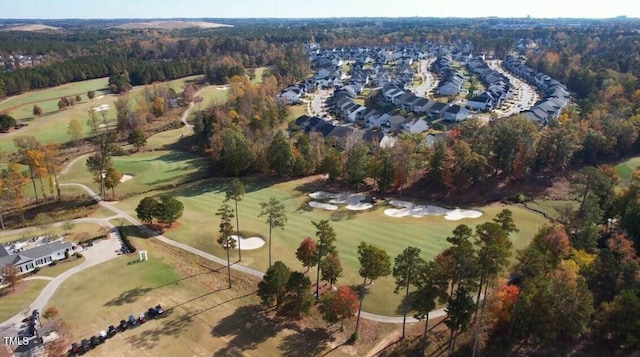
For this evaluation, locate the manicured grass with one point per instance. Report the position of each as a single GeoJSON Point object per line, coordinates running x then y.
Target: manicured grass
{"type": "Point", "coordinates": [553, 208]}
{"type": "Point", "coordinates": [625, 170]}
{"type": "Point", "coordinates": [15, 302]}
{"type": "Point", "coordinates": [212, 95]}
{"type": "Point", "coordinates": [150, 170]}
{"type": "Point", "coordinates": [295, 111]}
{"type": "Point", "coordinates": [259, 72]}
{"type": "Point", "coordinates": [199, 228]}
{"type": "Point", "coordinates": [202, 317]}
{"type": "Point", "coordinates": [60, 267]}
{"type": "Point", "coordinates": [52, 125]}
{"type": "Point", "coordinates": [56, 93]}
{"type": "Point", "coordinates": [162, 139]}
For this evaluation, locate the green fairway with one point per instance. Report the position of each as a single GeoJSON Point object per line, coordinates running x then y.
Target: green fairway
{"type": "Point", "coordinates": [76, 88]}
{"type": "Point", "coordinates": [625, 170]}
{"type": "Point", "coordinates": [199, 228]}
{"type": "Point", "coordinates": [14, 302]}
{"type": "Point", "coordinates": [150, 170]}
{"type": "Point", "coordinates": [52, 125]}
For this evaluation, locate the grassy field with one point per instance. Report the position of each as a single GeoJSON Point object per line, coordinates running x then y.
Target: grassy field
{"type": "Point", "coordinates": [625, 170]}
{"type": "Point", "coordinates": [78, 230]}
{"type": "Point", "coordinates": [295, 111]}
{"type": "Point", "coordinates": [553, 208]}
{"type": "Point", "coordinates": [201, 200]}
{"type": "Point", "coordinates": [259, 73]}
{"type": "Point", "coordinates": [25, 293]}
{"type": "Point", "coordinates": [60, 267]}
{"type": "Point", "coordinates": [150, 170]}
{"type": "Point", "coordinates": [202, 317]}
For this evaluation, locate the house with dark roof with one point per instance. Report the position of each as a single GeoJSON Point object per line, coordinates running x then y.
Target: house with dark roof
{"type": "Point", "coordinates": [27, 260]}
{"type": "Point", "coordinates": [456, 113]}
{"type": "Point", "coordinates": [437, 110]}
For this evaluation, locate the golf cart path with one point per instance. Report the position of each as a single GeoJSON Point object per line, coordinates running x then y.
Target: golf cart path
{"type": "Point", "coordinates": [122, 214]}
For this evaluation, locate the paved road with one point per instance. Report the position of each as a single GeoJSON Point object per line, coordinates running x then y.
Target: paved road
{"type": "Point", "coordinates": [429, 80]}
{"type": "Point", "coordinates": [315, 108]}
{"type": "Point", "coordinates": [527, 96]}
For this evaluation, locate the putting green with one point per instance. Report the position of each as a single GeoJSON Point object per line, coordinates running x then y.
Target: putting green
{"type": "Point", "coordinates": [150, 170]}
{"type": "Point", "coordinates": [199, 228]}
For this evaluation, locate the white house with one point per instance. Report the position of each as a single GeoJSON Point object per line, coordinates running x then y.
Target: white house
{"type": "Point", "coordinates": [456, 113]}
{"type": "Point", "coordinates": [290, 95]}
{"type": "Point", "coordinates": [26, 261]}
{"type": "Point", "coordinates": [415, 126]}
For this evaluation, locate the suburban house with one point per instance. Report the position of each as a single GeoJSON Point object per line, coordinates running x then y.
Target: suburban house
{"type": "Point", "coordinates": [437, 110]}
{"type": "Point", "coordinates": [415, 126]}
{"type": "Point", "coordinates": [456, 113]}
{"type": "Point", "coordinates": [556, 95]}
{"type": "Point", "coordinates": [422, 106]}
{"type": "Point", "coordinates": [26, 261]}
{"type": "Point", "coordinates": [481, 102]}
{"type": "Point", "coordinates": [290, 95]}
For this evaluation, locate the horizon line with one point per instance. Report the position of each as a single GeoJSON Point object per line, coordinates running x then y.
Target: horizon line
{"type": "Point", "coordinates": [323, 18]}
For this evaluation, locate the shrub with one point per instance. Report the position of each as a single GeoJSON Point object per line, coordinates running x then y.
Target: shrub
{"type": "Point", "coordinates": [354, 337]}
{"type": "Point", "coordinates": [36, 270]}
{"type": "Point", "coordinates": [519, 198]}
{"type": "Point", "coordinates": [66, 254]}
{"type": "Point", "coordinates": [125, 240]}
{"type": "Point", "coordinates": [53, 263]}
{"type": "Point", "coordinates": [78, 255]}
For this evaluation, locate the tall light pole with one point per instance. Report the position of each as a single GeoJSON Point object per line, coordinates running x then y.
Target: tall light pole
{"type": "Point", "coordinates": [103, 175]}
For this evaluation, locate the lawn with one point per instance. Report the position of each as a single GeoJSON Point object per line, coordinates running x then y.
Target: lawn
{"type": "Point", "coordinates": [79, 230]}
{"type": "Point", "coordinates": [295, 111]}
{"type": "Point", "coordinates": [553, 208]}
{"type": "Point", "coordinates": [150, 170]}
{"type": "Point", "coordinates": [625, 170]}
{"type": "Point", "coordinates": [25, 293]}
{"type": "Point", "coordinates": [202, 199]}
{"type": "Point", "coordinates": [202, 317]}
{"type": "Point", "coordinates": [60, 267]}
{"type": "Point", "coordinates": [259, 73]}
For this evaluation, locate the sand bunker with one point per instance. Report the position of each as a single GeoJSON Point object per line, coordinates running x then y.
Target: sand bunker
{"type": "Point", "coordinates": [418, 211]}
{"type": "Point", "coordinates": [101, 108]}
{"type": "Point", "coordinates": [125, 178]}
{"type": "Point", "coordinates": [222, 88]}
{"type": "Point", "coordinates": [248, 243]}
{"type": "Point", "coordinates": [321, 195]}
{"type": "Point", "coordinates": [328, 207]}
{"type": "Point", "coordinates": [353, 201]}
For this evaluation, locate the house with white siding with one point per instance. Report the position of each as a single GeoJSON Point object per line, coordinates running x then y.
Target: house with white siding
{"type": "Point", "coordinates": [26, 261]}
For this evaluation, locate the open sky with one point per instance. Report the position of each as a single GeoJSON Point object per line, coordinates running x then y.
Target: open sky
{"type": "Point", "coordinates": [56, 9]}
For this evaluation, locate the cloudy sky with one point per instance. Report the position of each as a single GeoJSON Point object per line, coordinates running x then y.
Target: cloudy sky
{"type": "Point", "coordinates": [50, 9]}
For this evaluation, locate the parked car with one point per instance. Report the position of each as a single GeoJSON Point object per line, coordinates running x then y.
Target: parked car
{"type": "Point", "coordinates": [123, 325]}
{"type": "Point", "coordinates": [85, 345]}
{"type": "Point", "coordinates": [141, 319]}
{"type": "Point", "coordinates": [75, 348]}
{"type": "Point", "coordinates": [111, 331]}
{"type": "Point", "coordinates": [132, 320]}
{"type": "Point", "coordinates": [103, 336]}
{"type": "Point", "coordinates": [151, 313]}
{"type": "Point", "coordinates": [94, 341]}
{"type": "Point", "coordinates": [159, 310]}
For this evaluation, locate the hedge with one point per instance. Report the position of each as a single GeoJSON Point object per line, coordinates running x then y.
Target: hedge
{"type": "Point", "coordinates": [125, 240]}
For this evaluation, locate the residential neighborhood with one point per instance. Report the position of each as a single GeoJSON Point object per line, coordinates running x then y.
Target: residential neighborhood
{"type": "Point", "coordinates": [386, 77]}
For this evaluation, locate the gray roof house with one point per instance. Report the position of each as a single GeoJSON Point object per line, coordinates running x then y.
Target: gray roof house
{"type": "Point", "coordinates": [28, 260]}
